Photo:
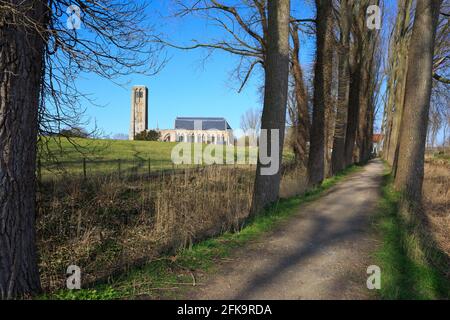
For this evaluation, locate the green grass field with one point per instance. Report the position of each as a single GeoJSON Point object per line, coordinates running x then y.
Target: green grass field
{"type": "Point", "coordinates": [103, 156]}
{"type": "Point", "coordinates": [110, 156]}
{"type": "Point", "coordinates": [442, 156]}
{"type": "Point", "coordinates": [77, 149]}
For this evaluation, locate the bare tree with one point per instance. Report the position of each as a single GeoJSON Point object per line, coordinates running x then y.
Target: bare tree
{"type": "Point", "coordinates": [397, 69]}
{"type": "Point", "coordinates": [363, 68]}
{"type": "Point", "coordinates": [21, 64]}
{"type": "Point", "coordinates": [40, 58]}
{"type": "Point", "coordinates": [245, 31]}
{"type": "Point", "coordinates": [300, 115]}
{"type": "Point", "coordinates": [440, 96]}
{"type": "Point", "coordinates": [267, 186]}
{"type": "Point", "coordinates": [251, 120]}
{"type": "Point", "coordinates": [410, 168]}
{"type": "Point", "coordinates": [345, 23]}
{"type": "Point", "coordinates": [322, 91]}
{"type": "Point", "coordinates": [446, 139]}
{"type": "Point", "coordinates": [369, 70]}
{"type": "Point", "coordinates": [434, 124]}
{"type": "Point", "coordinates": [441, 64]}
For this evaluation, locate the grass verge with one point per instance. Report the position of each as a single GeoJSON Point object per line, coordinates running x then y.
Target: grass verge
{"type": "Point", "coordinates": [407, 258]}
{"type": "Point", "coordinates": [168, 276]}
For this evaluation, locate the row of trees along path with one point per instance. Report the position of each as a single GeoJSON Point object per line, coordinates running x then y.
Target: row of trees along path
{"type": "Point", "coordinates": [40, 58]}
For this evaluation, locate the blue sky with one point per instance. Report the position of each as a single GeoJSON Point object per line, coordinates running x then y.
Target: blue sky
{"type": "Point", "coordinates": [186, 86]}
{"type": "Point", "coordinates": [189, 86]}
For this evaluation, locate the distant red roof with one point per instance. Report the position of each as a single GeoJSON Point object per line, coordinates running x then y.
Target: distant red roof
{"type": "Point", "coordinates": [377, 137]}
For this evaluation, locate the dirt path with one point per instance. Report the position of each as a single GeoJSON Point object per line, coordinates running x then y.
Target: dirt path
{"type": "Point", "coordinates": [321, 253]}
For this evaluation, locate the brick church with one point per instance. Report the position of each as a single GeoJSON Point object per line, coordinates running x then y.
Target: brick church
{"type": "Point", "coordinates": [186, 129]}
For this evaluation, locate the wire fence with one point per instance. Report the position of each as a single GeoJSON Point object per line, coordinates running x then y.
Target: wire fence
{"type": "Point", "coordinates": [120, 168]}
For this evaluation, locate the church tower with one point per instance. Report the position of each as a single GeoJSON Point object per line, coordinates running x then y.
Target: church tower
{"type": "Point", "coordinates": [139, 111]}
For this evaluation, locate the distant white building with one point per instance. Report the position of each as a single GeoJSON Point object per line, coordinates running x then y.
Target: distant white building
{"type": "Point", "coordinates": [377, 142]}
{"type": "Point", "coordinates": [199, 130]}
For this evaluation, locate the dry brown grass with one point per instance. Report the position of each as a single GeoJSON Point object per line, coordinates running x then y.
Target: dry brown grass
{"type": "Point", "coordinates": [294, 182]}
{"type": "Point", "coordinates": [106, 225]}
{"type": "Point", "coordinates": [436, 191]}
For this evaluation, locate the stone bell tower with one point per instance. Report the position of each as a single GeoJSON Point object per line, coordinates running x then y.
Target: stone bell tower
{"type": "Point", "coordinates": [139, 111]}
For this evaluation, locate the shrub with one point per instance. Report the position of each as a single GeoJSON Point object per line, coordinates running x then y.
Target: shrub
{"type": "Point", "coordinates": [150, 135]}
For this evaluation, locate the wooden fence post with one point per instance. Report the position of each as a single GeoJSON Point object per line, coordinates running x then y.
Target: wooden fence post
{"type": "Point", "coordinates": [39, 172]}
{"type": "Point", "coordinates": [84, 168]}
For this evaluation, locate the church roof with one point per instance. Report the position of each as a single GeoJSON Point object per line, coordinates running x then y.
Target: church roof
{"type": "Point", "coordinates": [377, 137]}
{"type": "Point", "coordinates": [188, 123]}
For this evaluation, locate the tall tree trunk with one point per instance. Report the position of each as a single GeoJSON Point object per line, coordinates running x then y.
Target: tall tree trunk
{"type": "Point", "coordinates": [368, 79]}
{"type": "Point", "coordinates": [364, 101]}
{"type": "Point", "coordinates": [330, 118]}
{"type": "Point", "coordinates": [399, 100]}
{"type": "Point", "coordinates": [21, 69]}
{"type": "Point", "coordinates": [302, 125]}
{"type": "Point", "coordinates": [353, 108]}
{"type": "Point", "coordinates": [338, 155]}
{"type": "Point", "coordinates": [267, 187]}
{"type": "Point", "coordinates": [322, 92]}
{"type": "Point", "coordinates": [397, 77]}
{"type": "Point", "coordinates": [413, 132]}
{"type": "Point", "coordinates": [361, 66]}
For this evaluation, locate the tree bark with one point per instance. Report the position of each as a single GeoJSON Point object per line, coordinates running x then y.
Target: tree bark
{"type": "Point", "coordinates": [361, 88]}
{"type": "Point", "coordinates": [414, 123]}
{"type": "Point", "coordinates": [365, 108]}
{"type": "Point", "coordinates": [322, 92]}
{"type": "Point", "coordinates": [367, 78]}
{"type": "Point", "coordinates": [338, 155]}
{"type": "Point", "coordinates": [302, 125]}
{"type": "Point", "coordinates": [267, 187]}
{"type": "Point", "coordinates": [353, 109]}
{"type": "Point", "coordinates": [397, 78]}
{"type": "Point", "coordinates": [21, 70]}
